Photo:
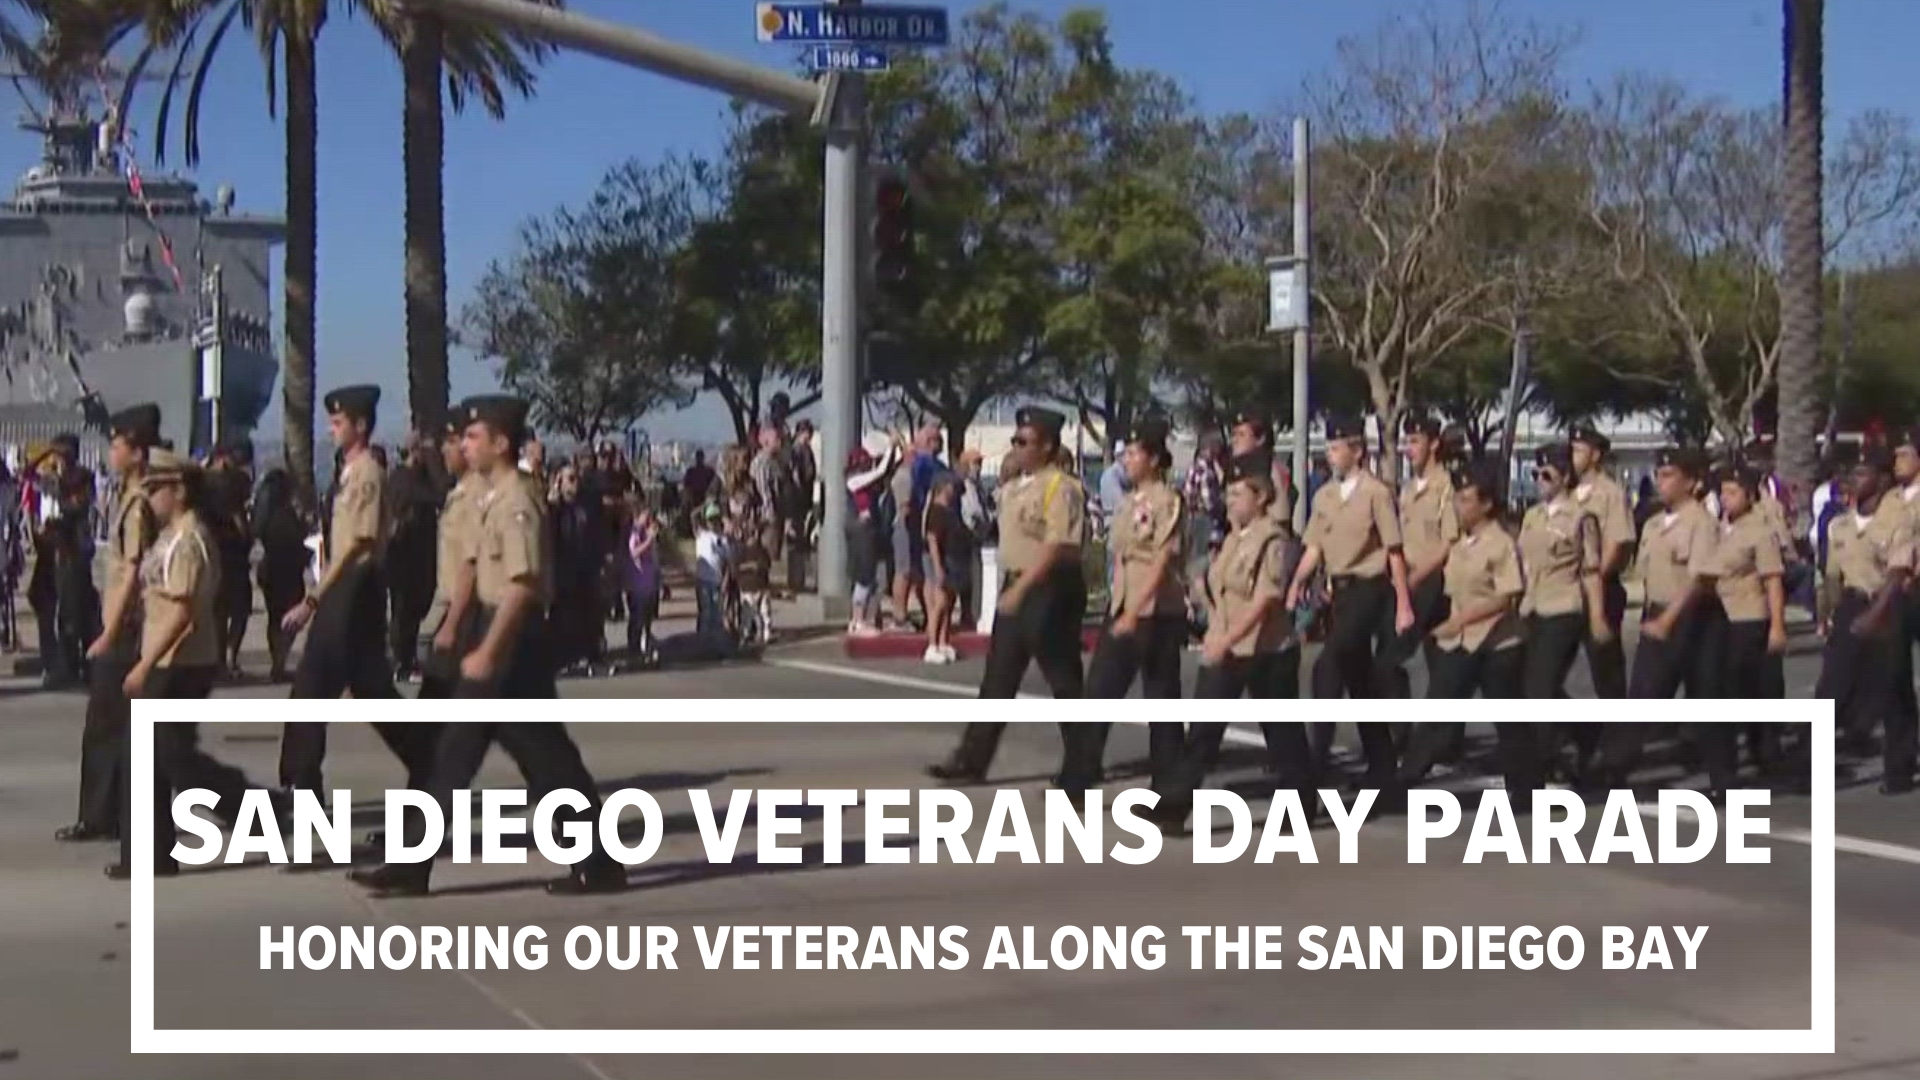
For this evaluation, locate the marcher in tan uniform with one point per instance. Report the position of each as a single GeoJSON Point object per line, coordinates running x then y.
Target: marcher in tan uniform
{"type": "Point", "coordinates": [346, 647]}
{"type": "Point", "coordinates": [1750, 638]}
{"type": "Point", "coordinates": [1146, 631]}
{"type": "Point", "coordinates": [1478, 646]}
{"type": "Point", "coordinates": [453, 570]}
{"type": "Point", "coordinates": [1043, 601]}
{"type": "Point", "coordinates": [1251, 648]}
{"type": "Point", "coordinates": [1560, 550]}
{"type": "Point", "coordinates": [1429, 526]}
{"type": "Point", "coordinates": [1354, 532]}
{"type": "Point", "coordinates": [1603, 497]}
{"type": "Point", "coordinates": [130, 530]}
{"type": "Point", "coordinates": [1871, 550]}
{"type": "Point", "coordinates": [179, 653]}
{"type": "Point", "coordinates": [510, 655]}
{"type": "Point", "coordinates": [1677, 567]}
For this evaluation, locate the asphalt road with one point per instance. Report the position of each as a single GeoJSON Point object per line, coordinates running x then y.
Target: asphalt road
{"type": "Point", "coordinates": [63, 943]}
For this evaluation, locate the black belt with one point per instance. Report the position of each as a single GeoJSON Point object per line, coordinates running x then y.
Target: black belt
{"type": "Point", "coordinates": [1654, 611]}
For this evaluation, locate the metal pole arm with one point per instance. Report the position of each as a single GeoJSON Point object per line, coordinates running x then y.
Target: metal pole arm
{"type": "Point", "coordinates": [636, 48]}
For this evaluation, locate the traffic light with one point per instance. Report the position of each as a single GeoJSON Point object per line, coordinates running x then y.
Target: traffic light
{"type": "Point", "coordinates": [893, 237]}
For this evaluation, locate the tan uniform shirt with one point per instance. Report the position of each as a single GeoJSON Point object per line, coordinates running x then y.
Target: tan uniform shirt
{"type": "Point", "coordinates": [1559, 545]}
{"type": "Point", "coordinates": [1863, 550]}
{"type": "Point", "coordinates": [459, 526]}
{"type": "Point", "coordinates": [1606, 500]}
{"type": "Point", "coordinates": [1483, 565]}
{"type": "Point", "coordinates": [1148, 523]}
{"type": "Point", "coordinates": [1775, 517]}
{"type": "Point", "coordinates": [511, 543]}
{"type": "Point", "coordinates": [1676, 548]}
{"type": "Point", "coordinates": [1041, 510]}
{"type": "Point", "coordinates": [359, 509]}
{"type": "Point", "coordinates": [1354, 529]}
{"type": "Point", "coordinates": [1749, 553]}
{"type": "Point", "coordinates": [182, 567]}
{"type": "Point", "coordinates": [130, 532]}
{"type": "Point", "coordinates": [1254, 565]}
{"type": "Point", "coordinates": [1428, 521]}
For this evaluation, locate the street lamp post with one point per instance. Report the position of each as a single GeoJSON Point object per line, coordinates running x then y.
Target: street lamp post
{"type": "Point", "coordinates": [1290, 307]}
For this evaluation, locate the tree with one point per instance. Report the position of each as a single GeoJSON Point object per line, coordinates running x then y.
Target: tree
{"type": "Point", "coordinates": [474, 61]}
{"type": "Point", "coordinates": [1413, 129]}
{"type": "Point", "coordinates": [580, 321]}
{"type": "Point", "coordinates": [1801, 289]}
{"type": "Point", "coordinates": [971, 123]}
{"type": "Point", "coordinates": [1689, 197]}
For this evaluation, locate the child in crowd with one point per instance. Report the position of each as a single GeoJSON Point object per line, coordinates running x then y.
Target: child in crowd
{"type": "Point", "coordinates": [711, 571]}
{"type": "Point", "coordinates": [753, 573]}
{"type": "Point", "coordinates": [949, 566]}
{"type": "Point", "coordinates": [641, 582]}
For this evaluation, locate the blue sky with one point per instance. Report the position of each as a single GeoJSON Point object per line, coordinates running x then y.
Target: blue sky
{"type": "Point", "coordinates": [589, 115]}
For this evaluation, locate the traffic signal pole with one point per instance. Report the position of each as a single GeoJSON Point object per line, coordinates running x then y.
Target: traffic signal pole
{"type": "Point", "coordinates": [836, 102]}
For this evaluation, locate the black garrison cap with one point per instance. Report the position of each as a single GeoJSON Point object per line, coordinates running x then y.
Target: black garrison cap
{"type": "Point", "coordinates": [1422, 425]}
{"type": "Point", "coordinates": [503, 413]}
{"type": "Point", "coordinates": [139, 425]}
{"type": "Point", "coordinates": [1254, 463]}
{"type": "Point", "coordinates": [1483, 475]}
{"type": "Point", "coordinates": [1555, 456]}
{"type": "Point", "coordinates": [1691, 461]}
{"type": "Point", "coordinates": [1584, 433]}
{"type": "Point", "coordinates": [1345, 427]}
{"type": "Point", "coordinates": [357, 402]}
{"type": "Point", "coordinates": [1042, 420]}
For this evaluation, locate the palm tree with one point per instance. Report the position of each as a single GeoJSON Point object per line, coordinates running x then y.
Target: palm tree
{"type": "Point", "coordinates": [1801, 284]}
{"type": "Point", "coordinates": [474, 61]}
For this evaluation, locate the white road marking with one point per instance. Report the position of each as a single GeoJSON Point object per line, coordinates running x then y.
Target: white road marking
{"type": "Point", "coordinates": [1852, 845]}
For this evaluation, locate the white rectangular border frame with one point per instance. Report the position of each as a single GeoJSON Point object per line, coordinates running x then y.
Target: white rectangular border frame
{"type": "Point", "coordinates": [1817, 1038]}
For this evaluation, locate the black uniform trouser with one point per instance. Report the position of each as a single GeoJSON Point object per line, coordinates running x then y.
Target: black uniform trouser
{"type": "Point", "coordinates": [179, 765]}
{"type": "Point", "coordinates": [1661, 669]}
{"type": "Point", "coordinates": [236, 599]}
{"type": "Point", "coordinates": [1744, 669]}
{"type": "Point", "coordinates": [346, 650]}
{"type": "Point", "coordinates": [1362, 619]}
{"type": "Point", "coordinates": [1151, 652]}
{"type": "Point", "coordinates": [1273, 676]}
{"type": "Point", "coordinates": [410, 604]}
{"type": "Point", "coordinates": [1430, 608]}
{"type": "Point", "coordinates": [1045, 630]}
{"type": "Point", "coordinates": [1861, 676]}
{"type": "Point", "coordinates": [108, 714]}
{"type": "Point", "coordinates": [1494, 674]}
{"type": "Point", "coordinates": [1552, 643]}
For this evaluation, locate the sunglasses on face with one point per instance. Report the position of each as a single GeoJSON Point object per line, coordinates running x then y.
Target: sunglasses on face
{"type": "Point", "coordinates": [1545, 474]}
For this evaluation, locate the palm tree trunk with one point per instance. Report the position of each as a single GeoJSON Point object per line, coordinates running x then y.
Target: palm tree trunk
{"type": "Point", "coordinates": [302, 269]}
{"type": "Point", "coordinates": [424, 136]}
{"type": "Point", "coordinates": [1801, 284]}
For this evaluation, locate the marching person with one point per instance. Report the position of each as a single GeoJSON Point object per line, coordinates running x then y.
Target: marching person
{"type": "Point", "coordinates": [1750, 638]}
{"type": "Point", "coordinates": [1603, 498]}
{"type": "Point", "coordinates": [1478, 646]}
{"type": "Point", "coordinates": [1354, 532]}
{"type": "Point", "coordinates": [1429, 527]}
{"type": "Point", "coordinates": [453, 572]}
{"type": "Point", "coordinates": [1677, 565]}
{"type": "Point", "coordinates": [180, 652]}
{"type": "Point", "coordinates": [1146, 631]}
{"type": "Point", "coordinates": [130, 530]}
{"type": "Point", "coordinates": [347, 642]}
{"type": "Point", "coordinates": [510, 655]}
{"type": "Point", "coordinates": [1871, 551]}
{"type": "Point", "coordinates": [1564, 605]}
{"type": "Point", "coordinates": [1250, 649]}
{"type": "Point", "coordinates": [1043, 598]}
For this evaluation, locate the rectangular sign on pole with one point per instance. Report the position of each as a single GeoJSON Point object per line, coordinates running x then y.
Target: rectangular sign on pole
{"type": "Point", "coordinates": [857, 58]}
{"type": "Point", "coordinates": [1284, 301]}
{"type": "Point", "coordinates": [868, 24]}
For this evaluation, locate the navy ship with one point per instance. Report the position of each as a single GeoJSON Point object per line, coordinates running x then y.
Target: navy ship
{"type": "Point", "coordinates": [118, 288]}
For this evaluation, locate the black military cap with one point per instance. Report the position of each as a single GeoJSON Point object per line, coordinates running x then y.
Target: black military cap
{"type": "Point", "coordinates": [1250, 465]}
{"type": "Point", "coordinates": [1422, 425]}
{"type": "Point", "coordinates": [504, 413]}
{"type": "Point", "coordinates": [67, 441]}
{"type": "Point", "coordinates": [1687, 459]}
{"type": "Point", "coordinates": [1583, 433]}
{"type": "Point", "coordinates": [139, 425]}
{"type": "Point", "coordinates": [1736, 473]}
{"type": "Point", "coordinates": [1152, 433]}
{"type": "Point", "coordinates": [1555, 456]}
{"type": "Point", "coordinates": [1345, 427]}
{"type": "Point", "coordinates": [1042, 420]}
{"type": "Point", "coordinates": [1254, 419]}
{"type": "Point", "coordinates": [1483, 475]}
{"type": "Point", "coordinates": [357, 402]}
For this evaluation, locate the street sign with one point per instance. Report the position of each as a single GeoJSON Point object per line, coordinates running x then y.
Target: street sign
{"type": "Point", "coordinates": [867, 24]}
{"type": "Point", "coordinates": [1286, 304]}
{"type": "Point", "coordinates": [858, 58]}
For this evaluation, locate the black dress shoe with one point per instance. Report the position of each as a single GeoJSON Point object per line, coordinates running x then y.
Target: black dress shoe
{"type": "Point", "coordinates": [588, 881]}
{"type": "Point", "coordinates": [122, 872]}
{"type": "Point", "coordinates": [82, 833]}
{"type": "Point", "coordinates": [953, 772]}
{"type": "Point", "coordinates": [390, 880]}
